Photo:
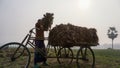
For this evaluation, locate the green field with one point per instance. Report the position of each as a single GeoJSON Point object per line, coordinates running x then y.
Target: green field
{"type": "Point", "coordinates": [105, 58]}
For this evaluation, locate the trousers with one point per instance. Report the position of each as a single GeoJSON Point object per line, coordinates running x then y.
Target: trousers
{"type": "Point", "coordinates": [37, 56]}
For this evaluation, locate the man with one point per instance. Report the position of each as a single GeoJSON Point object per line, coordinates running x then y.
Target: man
{"type": "Point", "coordinates": [39, 42]}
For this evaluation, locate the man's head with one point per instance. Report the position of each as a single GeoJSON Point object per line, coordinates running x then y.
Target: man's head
{"type": "Point", "coordinates": [39, 20]}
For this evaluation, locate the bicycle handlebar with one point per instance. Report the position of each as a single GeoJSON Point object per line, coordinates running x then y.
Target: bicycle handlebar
{"type": "Point", "coordinates": [31, 31]}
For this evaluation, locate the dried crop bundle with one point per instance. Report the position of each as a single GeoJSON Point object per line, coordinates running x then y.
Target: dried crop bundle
{"type": "Point", "coordinates": [68, 35]}
{"type": "Point", "coordinates": [47, 20]}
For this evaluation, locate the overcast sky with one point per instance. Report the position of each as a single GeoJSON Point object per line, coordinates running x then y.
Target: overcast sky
{"type": "Point", "coordinates": [18, 16]}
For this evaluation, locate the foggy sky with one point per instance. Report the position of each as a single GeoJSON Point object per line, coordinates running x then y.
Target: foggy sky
{"type": "Point", "coordinates": [18, 16]}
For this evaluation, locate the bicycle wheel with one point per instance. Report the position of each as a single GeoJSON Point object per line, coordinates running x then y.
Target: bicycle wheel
{"type": "Point", "coordinates": [14, 55]}
{"type": "Point", "coordinates": [85, 58]}
{"type": "Point", "coordinates": [65, 56]}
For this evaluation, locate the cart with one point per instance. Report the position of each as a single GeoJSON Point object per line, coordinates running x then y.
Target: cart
{"type": "Point", "coordinates": [84, 56]}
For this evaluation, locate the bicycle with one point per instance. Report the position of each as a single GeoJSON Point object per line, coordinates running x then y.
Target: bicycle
{"type": "Point", "coordinates": [14, 54]}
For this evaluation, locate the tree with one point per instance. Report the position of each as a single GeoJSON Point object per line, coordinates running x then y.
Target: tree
{"type": "Point", "coordinates": [112, 34]}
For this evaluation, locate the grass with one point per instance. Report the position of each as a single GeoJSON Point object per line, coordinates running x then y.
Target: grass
{"type": "Point", "coordinates": [105, 58]}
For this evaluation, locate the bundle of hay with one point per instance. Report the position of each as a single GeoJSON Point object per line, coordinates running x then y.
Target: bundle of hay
{"type": "Point", "coordinates": [47, 20]}
{"type": "Point", "coordinates": [69, 35]}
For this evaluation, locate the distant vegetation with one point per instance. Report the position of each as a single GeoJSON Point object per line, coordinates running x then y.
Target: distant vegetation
{"type": "Point", "coordinates": [112, 34]}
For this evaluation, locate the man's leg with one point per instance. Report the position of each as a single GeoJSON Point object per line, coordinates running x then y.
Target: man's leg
{"type": "Point", "coordinates": [36, 60]}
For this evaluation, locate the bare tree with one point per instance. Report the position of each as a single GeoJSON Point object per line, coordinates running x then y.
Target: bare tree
{"type": "Point", "coordinates": [112, 34]}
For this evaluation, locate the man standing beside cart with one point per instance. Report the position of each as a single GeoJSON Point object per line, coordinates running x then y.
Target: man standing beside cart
{"type": "Point", "coordinates": [42, 25]}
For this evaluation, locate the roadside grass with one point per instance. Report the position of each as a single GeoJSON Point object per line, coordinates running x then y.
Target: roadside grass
{"type": "Point", "coordinates": [105, 58]}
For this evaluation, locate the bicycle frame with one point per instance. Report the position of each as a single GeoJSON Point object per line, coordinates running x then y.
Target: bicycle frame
{"type": "Point", "coordinates": [29, 40]}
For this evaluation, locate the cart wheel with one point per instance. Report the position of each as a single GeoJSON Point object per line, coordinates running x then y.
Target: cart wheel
{"type": "Point", "coordinates": [65, 56]}
{"type": "Point", "coordinates": [85, 58]}
{"type": "Point", "coordinates": [14, 55]}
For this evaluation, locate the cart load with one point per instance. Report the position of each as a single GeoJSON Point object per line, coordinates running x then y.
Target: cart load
{"type": "Point", "coordinates": [69, 35]}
